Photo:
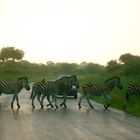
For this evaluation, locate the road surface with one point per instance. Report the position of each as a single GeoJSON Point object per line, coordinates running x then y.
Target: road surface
{"type": "Point", "coordinates": [64, 124]}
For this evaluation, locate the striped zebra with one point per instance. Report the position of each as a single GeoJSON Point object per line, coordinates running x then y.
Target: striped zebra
{"type": "Point", "coordinates": [65, 87]}
{"type": "Point", "coordinates": [100, 90]}
{"type": "Point", "coordinates": [42, 89]}
{"type": "Point", "coordinates": [73, 81]}
{"type": "Point", "coordinates": [14, 87]}
{"type": "Point", "coordinates": [48, 88]}
{"type": "Point", "coordinates": [131, 90]}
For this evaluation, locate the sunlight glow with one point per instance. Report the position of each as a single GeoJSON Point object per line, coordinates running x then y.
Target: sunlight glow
{"type": "Point", "coordinates": [71, 30]}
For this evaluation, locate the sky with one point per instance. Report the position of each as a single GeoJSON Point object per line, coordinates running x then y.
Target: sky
{"type": "Point", "coordinates": [72, 31]}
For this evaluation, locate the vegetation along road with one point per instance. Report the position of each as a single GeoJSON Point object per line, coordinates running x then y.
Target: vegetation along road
{"type": "Point", "coordinates": [64, 124]}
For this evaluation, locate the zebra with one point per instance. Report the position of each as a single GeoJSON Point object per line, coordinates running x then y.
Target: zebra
{"type": "Point", "coordinates": [100, 90]}
{"type": "Point", "coordinates": [65, 87]}
{"type": "Point", "coordinates": [73, 81]}
{"type": "Point", "coordinates": [47, 88]}
{"type": "Point", "coordinates": [44, 88]}
{"type": "Point", "coordinates": [14, 87]}
{"type": "Point", "coordinates": [132, 89]}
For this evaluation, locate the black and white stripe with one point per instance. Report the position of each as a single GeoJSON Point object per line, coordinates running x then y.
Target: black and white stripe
{"type": "Point", "coordinates": [48, 88]}
{"type": "Point", "coordinates": [131, 90]}
{"type": "Point", "coordinates": [14, 87]}
{"type": "Point", "coordinates": [44, 88]}
{"type": "Point", "coordinates": [100, 90]}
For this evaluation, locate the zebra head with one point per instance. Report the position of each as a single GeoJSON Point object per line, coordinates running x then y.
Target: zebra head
{"type": "Point", "coordinates": [74, 81]}
{"type": "Point", "coordinates": [114, 82]}
{"type": "Point", "coordinates": [24, 82]}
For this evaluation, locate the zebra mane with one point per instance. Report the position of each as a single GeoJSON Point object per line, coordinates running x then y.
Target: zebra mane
{"type": "Point", "coordinates": [24, 77]}
{"type": "Point", "coordinates": [61, 78]}
{"type": "Point", "coordinates": [114, 77]}
{"type": "Point", "coordinates": [73, 76]}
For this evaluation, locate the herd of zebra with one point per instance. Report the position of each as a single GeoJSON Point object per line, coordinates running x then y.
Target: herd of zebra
{"type": "Point", "coordinates": [44, 88]}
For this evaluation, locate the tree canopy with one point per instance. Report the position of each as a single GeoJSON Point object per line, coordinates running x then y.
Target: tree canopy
{"type": "Point", "coordinates": [127, 63]}
{"type": "Point", "coordinates": [8, 53]}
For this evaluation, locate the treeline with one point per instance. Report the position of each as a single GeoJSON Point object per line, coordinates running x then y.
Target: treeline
{"type": "Point", "coordinates": [127, 65]}
{"type": "Point", "coordinates": [11, 69]}
{"type": "Point", "coordinates": [12, 66]}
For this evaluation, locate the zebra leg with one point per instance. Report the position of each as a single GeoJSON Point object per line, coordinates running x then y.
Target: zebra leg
{"type": "Point", "coordinates": [107, 106]}
{"type": "Point", "coordinates": [38, 98]}
{"type": "Point", "coordinates": [48, 103]}
{"type": "Point", "coordinates": [41, 103]}
{"type": "Point", "coordinates": [33, 98]}
{"type": "Point", "coordinates": [14, 97]}
{"type": "Point", "coordinates": [64, 102]}
{"type": "Point", "coordinates": [0, 92]}
{"type": "Point", "coordinates": [48, 98]}
{"type": "Point", "coordinates": [81, 98]}
{"type": "Point", "coordinates": [51, 101]}
{"type": "Point", "coordinates": [17, 101]}
{"type": "Point", "coordinates": [88, 100]}
{"type": "Point", "coordinates": [107, 99]}
{"type": "Point", "coordinates": [55, 102]}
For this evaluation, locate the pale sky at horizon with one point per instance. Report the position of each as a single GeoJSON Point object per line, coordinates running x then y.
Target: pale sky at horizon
{"type": "Point", "coordinates": [78, 30]}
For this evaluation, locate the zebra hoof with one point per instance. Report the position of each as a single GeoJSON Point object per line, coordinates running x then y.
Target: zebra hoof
{"type": "Point", "coordinates": [42, 107]}
{"type": "Point", "coordinates": [48, 105]}
{"type": "Point", "coordinates": [106, 107]}
{"type": "Point", "coordinates": [33, 107]}
{"type": "Point", "coordinates": [92, 107]}
{"type": "Point", "coordinates": [11, 105]}
{"type": "Point", "coordinates": [52, 106]}
{"type": "Point", "coordinates": [61, 105]}
{"type": "Point", "coordinates": [79, 106]}
{"type": "Point", "coordinates": [18, 106]}
{"type": "Point", "coordinates": [56, 106]}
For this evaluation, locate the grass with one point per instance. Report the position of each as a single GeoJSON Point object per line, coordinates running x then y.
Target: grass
{"type": "Point", "coordinates": [133, 106]}
{"type": "Point", "coordinates": [118, 96]}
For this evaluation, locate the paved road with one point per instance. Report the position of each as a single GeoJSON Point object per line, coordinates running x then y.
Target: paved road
{"type": "Point", "coordinates": [64, 124]}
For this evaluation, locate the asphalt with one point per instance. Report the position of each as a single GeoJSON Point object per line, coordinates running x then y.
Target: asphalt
{"type": "Point", "coordinates": [64, 124]}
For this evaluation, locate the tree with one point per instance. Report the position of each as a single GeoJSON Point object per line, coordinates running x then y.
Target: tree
{"type": "Point", "coordinates": [131, 63]}
{"type": "Point", "coordinates": [7, 53]}
{"type": "Point", "coordinates": [129, 58]}
{"type": "Point", "coordinates": [112, 64]}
